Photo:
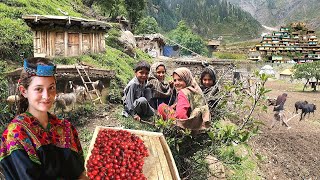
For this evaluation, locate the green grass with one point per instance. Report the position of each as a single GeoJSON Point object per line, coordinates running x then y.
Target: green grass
{"type": "Point", "coordinates": [227, 55]}
{"type": "Point", "coordinates": [85, 137]}
{"type": "Point", "coordinates": [246, 168]}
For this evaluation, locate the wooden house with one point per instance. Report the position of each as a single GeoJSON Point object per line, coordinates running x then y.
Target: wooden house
{"type": "Point", "coordinates": [66, 36]}
{"type": "Point", "coordinates": [151, 43]}
{"type": "Point", "coordinates": [64, 74]}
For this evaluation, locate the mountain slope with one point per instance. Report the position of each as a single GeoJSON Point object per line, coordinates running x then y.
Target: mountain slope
{"type": "Point", "coordinates": [282, 12]}
{"type": "Point", "coordinates": [209, 18]}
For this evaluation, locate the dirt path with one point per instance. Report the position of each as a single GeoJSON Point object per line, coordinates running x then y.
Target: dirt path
{"type": "Point", "coordinates": [293, 153]}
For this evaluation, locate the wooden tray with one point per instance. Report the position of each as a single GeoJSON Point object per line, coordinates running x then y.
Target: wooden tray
{"type": "Point", "coordinates": [159, 165]}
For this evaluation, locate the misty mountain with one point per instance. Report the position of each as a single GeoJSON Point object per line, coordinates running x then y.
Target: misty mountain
{"type": "Point", "coordinates": [282, 12]}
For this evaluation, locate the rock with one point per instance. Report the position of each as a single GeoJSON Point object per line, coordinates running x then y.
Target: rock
{"type": "Point", "coordinates": [217, 171]}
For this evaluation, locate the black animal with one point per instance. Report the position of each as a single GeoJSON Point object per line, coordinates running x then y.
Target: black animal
{"type": "Point", "coordinates": [307, 108]}
{"type": "Point", "coordinates": [298, 105]}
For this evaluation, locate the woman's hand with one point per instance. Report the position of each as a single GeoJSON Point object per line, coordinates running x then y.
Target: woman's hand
{"type": "Point", "coordinates": [136, 117]}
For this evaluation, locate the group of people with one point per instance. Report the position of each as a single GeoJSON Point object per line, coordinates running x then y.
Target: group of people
{"type": "Point", "coordinates": [181, 100]}
{"type": "Point", "coordinates": [39, 145]}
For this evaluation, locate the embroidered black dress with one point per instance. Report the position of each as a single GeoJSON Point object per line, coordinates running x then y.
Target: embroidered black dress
{"type": "Point", "coordinates": [28, 151]}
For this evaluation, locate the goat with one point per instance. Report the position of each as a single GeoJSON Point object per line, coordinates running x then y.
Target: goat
{"type": "Point", "coordinates": [65, 99]}
{"type": "Point", "coordinates": [79, 90]}
{"type": "Point", "coordinates": [307, 108]}
{"type": "Point", "coordinates": [98, 85]}
{"type": "Point", "coordinates": [299, 104]}
{"type": "Point", "coordinates": [12, 101]}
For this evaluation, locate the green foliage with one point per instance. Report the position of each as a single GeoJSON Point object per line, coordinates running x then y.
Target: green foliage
{"type": "Point", "coordinates": [206, 17]}
{"type": "Point", "coordinates": [135, 11]}
{"type": "Point", "coordinates": [307, 71]}
{"type": "Point", "coordinates": [233, 124]}
{"type": "Point", "coordinates": [5, 113]}
{"type": "Point", "coordinates": [112, 39]}
{"type": "Point", "coordinates": [147, 25]}
{"type": "Point", "coordinates": [185, 37]}
{"type": "Point", "coordinates": [15, 39]}
{"type": "Point", "coordinates": [74, 116]}
{"type": "Point", "coordinates": [110, 8]}
{"type": "Point", "coordinates": [15, 35]}
{"type": "Point", "coordinates": [227, 55]}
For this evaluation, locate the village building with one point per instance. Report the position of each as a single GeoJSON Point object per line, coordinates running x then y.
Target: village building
{"type": "Point", "coordinates": [151, 43]}
{"type": "Point", "coordinates": [212, 45]}
{"type": "Point", "coordinates": [65, 36]}
{"type": "Point", "coordinates": [301, 46]}
{"type": "Point", "coordinates": [254, 55]}
{"type": "Point", "coordinates": [286, 74]}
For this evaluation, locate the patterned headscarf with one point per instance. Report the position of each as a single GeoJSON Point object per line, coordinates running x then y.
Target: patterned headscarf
{"type": "Point", "coordinates": [212, 73]}
{"type": "Point", "coordinates": [160, 89]}
{"type": "Point", "coordinates": [186, 75]}
{"type": "Point", "coordinates": [153, 69]}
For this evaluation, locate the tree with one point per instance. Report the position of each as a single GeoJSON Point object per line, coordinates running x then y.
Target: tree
{"type": "Point", "coordinates": [189, 40]}
{"type": "Point", "coordinates": [308, 71]}
{"type": "Point", "coordinates": [147, 25]}
{"type": "Point", "coordinates": [135, 11]}
{"type": "Point", "coordinates": [111, 8]}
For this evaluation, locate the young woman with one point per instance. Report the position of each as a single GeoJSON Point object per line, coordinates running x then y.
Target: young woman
{"type": "Point", "coordinates": [36, 144]}
{"type": "Point", "coordinates": [162, 92]}
{"type": "Point", "coordinates": [208, 84]}
{"type": "Point", "coordinates": [190, 110]}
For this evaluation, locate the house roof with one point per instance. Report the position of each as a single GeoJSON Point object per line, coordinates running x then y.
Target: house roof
{"type": "Point", "coordinates": [49, 21]}
{"type": "Point", "coordinates": [287, 72]}
{"type": "Point", "coordinates": [152, 37]}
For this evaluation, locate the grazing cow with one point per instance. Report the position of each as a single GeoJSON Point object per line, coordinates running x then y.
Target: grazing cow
{"type": "Point", "coordinates": [298, 105]}
{"type": "Point", "coordinates": [307, 108]}
{"type": "Point", "coordinates": [98, 85]}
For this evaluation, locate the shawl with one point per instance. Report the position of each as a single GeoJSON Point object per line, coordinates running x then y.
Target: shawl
{"type": "Point", "coordinates": [159, 89]}
{"type": "Point", "coordinates": [25, 133]}
{"type": "Point", "coordinates": [186, 75]}
{"type": "Point", "coordinates": [199, 118]}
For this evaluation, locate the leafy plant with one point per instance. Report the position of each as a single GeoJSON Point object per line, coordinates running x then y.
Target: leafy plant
{"type": "Point", "coordinates": [307, 71]}
{"type": "Point", "coordinates": [232, 126]}
{"type": "Point", "coordinates": [147, 25]}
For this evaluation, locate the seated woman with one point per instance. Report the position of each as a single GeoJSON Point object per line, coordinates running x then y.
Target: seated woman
{"type": "Point", "coordinates": [209, 87]}
{"type": "Point", "coordinates": [162, 92]}
{"type": "Point", "coordinates": [190, 110]}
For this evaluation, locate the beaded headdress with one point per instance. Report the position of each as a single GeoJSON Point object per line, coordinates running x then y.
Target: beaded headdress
{"type": "Point", "coordinates": [39, 69]}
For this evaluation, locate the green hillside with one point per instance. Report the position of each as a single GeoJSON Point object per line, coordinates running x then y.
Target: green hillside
{"type": "Point", "coordinates": [15, 35]}
{"type": "Point", "coordinates": [209, 18]}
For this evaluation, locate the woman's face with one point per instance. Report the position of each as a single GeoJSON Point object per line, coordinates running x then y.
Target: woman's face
{"type": "Point", "coordinates": [178, 82]}
{"type": "Point", "coordinates": [207, 81]}
{"type": "Point", "coordinates": [161, 73]}
{"type": "Point", "coordinates": [40, 94]}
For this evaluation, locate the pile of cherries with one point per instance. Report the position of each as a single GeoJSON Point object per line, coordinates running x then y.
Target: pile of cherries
{"type": "Point", "coordinates": [117, 154]}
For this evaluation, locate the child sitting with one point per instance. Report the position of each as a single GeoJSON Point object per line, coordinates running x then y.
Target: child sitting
{"type": "Point", "coordinates": [136, 94]}
{"type": "Point", "coordinates": [161, 91]}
